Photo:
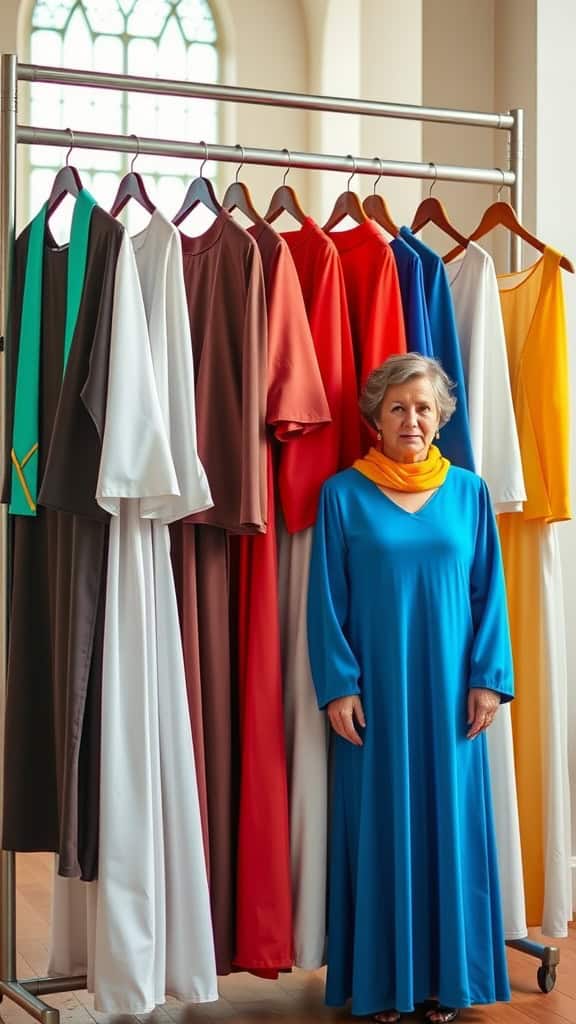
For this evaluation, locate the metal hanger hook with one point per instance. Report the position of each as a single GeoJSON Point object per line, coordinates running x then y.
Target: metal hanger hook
{"type": "Point", "coordinates": [136, 154]}
{"type": "Point", "coordinates": [205, 160]}
{"type": "Point", "coordinates": [350, 157]}
{"type": "Point", "coordinates": [240, 165]}
{"type": "Point", "coordinates": [379, 159]}
{"type": "Point", "coordinates": [71, 133]}
{"type": "Point", "coordinates": [434, 180]}
{"type": "Point", "coordinates": [289, 168]}
{"type": "Point", "coordinates": [503, 182]}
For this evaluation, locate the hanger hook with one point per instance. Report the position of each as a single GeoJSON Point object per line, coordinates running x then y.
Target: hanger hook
{"type": "Point", "coordinates": [240, 165]}
{"type": "Point", "coordinates": [205, 160]}
{"type": "Point", "coordinates": [379, 159]}
{"type": "Point", "coordinates": [136, 154]}
{"type": "Point", "coordinates": [503, 182]}
{"type": "Point", "coordinates": [289, 168]}
{"type": "Point", "coordinates": [350, 157]}
{"type": "Point", "coordinates": [434, 180]}
{"type": "Point", "coordinates": [71, 133]}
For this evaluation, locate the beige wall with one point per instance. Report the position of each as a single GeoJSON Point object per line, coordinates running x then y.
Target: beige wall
{"type": "Point", "coordinates": [458, 71]}
{"type": "Point", "coordinates": [392, 45]}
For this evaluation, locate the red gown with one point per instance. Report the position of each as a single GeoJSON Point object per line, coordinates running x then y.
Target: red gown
{"type": "Point", "coordinates": [373, 293]}
{"type": "Point", "coordinates": [296, 407]}
{"type": "Point", "coordinates": [306, 465]}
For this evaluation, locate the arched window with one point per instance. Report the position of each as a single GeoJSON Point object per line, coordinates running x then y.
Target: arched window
{"type": "Point", "coordinates": [163, 38]}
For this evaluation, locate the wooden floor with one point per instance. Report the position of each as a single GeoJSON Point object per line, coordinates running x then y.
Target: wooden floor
{"type": "Point", "coordinates": [246, 1000]}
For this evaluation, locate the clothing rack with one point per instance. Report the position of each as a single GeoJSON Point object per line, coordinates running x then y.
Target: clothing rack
{"type": "Point", "coordinates": [26, 993]}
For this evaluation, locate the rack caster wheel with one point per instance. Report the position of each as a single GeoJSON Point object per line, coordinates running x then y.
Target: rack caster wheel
{"type": "Point", "coordinates": [546, 978]}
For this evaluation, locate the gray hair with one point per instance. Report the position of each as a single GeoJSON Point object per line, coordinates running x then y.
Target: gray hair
{"type": "Point", "coordinates": [399, 369]}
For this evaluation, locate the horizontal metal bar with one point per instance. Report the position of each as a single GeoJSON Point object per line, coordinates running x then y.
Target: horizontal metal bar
{"type": "Point", "coordinates": [262, 97]}
{"type": "Point", "coordinates": [30, 135]}
{"type": "Point", "coordinates": [47, 986]}
{"type": "Point", "coordinates": [35, 1007]}
{"type": "Point", "coordinates": [549, 955]}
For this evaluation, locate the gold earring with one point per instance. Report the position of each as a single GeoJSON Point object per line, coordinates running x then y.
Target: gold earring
{"type": "Point", "coordinates": [437, 435]}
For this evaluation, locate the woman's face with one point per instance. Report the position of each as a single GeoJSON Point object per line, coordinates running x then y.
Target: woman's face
{"type": "Point", "coordinates": [408, 420]}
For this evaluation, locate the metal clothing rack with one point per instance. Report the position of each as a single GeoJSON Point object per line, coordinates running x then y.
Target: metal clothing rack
{"type": "Point", "coordinates": [26, 993]}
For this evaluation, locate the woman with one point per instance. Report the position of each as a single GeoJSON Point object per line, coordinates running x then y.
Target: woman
{"type": "Point", "coordinates": [410, 654]}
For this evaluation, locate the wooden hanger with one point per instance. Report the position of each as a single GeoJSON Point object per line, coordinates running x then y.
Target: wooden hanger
{"type": "Point", "coordinates": [66, 183]}
{"type": "Point", "coordinates": [376, 207]}
{"type": "Point", "coordinates": [432, 211]}
{"type": "Point", "coordinates": [285, 200]}
{"type": "Point", "coordinates": [237, 196]}
{"type": "Point", "coordinates": [501, 214]}
{"type": "Point", "coordinates": [199, 191]}
{"type": "Point", "coordinates": [132, 187]}
{"type": "Point", "coordinates": [346, 205]}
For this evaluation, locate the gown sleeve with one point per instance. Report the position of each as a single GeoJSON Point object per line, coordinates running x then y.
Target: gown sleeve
{"type": "Point", "coordinates": [335, 670]}
{"type": "Point", "coordinates": [136, 461]}
{"type": "Point", "coordinates": [491, 655]}
{"type": "Point", "coordinates": [297, 401]}
{"type": "Point", "coordinates": [176, 372]}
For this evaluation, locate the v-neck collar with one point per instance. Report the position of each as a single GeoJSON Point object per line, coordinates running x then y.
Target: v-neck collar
{"type": "Point", "coordinates": [395, 504]}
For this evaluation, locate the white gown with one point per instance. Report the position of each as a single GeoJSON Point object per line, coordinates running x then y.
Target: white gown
{"type": "Point", "coordinates": [149, 931]}
{"type": "Point", "coordinates": [496, 448]}
{"type": "Point", "coordinates": [307, 752]}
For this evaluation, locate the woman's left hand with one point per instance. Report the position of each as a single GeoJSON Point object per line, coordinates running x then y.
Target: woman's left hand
{"type": "Point", "coordinates": [482, 708]}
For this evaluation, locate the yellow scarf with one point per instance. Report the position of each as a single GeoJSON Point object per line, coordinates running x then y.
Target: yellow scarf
{"type": "Point", "coordinates": [404, 476]}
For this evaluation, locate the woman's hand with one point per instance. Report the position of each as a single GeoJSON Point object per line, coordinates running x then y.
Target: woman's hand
{"type": "Point", "coordinates": [482, 707]}
{"type": "Point", "coordinates": [342, 713]}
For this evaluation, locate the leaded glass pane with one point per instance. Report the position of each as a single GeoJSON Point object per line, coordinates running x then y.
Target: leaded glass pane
{"type": "Point", "coordinates": [51, 13]}
{"type": "Point", "coordinates": [104, 16]}
{"type": "Point", "coordinates": [109, 54]}
{"type": "Point", "coordinates": [171, 62]}
{"type": "Point", "coordinates": [149, 18]}
{"type": "Point", "coordinates": [142, 54]}
{"type": "Point", "coordinates": [197, 20]}
{"type": "Point", "coordinates": [202, 64]}
{"type": "Point", "coordinates": [77, 49]}
{"type": "Point", "coordinates": [46, 48]}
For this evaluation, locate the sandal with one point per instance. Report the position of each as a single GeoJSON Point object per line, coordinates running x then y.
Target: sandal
{"type": "Point", "coordinates": [448, 1013]}
{"type": "Point", "coordinates": [380, 1019]}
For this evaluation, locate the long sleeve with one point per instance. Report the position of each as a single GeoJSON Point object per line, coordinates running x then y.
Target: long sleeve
{"type": "Point", "coordinates": [335, 669]}
{"type": "Point", "coordinates": [296, 401]}
{"type": "Point", "coordinates": [136, 460]}
{"type": "Point", "coordinates": [491, 655]}
{"type": "Point", "coordinates": [174, 371]}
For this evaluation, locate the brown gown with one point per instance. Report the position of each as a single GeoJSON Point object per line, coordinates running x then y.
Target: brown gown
{"type": "Point", "coordinates": [52, 745]}
{"type": "Point", "coordinates": [227, 305]}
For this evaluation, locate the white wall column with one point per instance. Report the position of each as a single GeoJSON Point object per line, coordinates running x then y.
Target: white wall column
{"type": "Point", "coordinates": [556, 223]}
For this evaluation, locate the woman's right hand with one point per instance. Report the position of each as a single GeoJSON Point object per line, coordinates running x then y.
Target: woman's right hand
{"type": "Point", "coordinates": [342, 713]}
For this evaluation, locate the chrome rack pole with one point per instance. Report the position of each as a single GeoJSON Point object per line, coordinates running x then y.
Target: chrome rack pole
{"type": "Point", "coordinates": [30, 135]}
{"type": "Point", "coordinates": [7, 228]}
{"type": "Point", "coordinates": [516, 162]}
{"type": "Point", "coordinates": [265, 97]}
{"type": "Point", "coordinates": [23, 993]}
{"type": "Point", "coordinates": [548, 955]}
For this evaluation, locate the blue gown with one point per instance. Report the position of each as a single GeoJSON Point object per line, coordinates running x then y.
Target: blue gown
{"type": "Point", "coordinates": [456, 443]}
{"type": "Point", "coordinates": [409, 610]}
{"type": "Point", "coordinates": [411, 281]}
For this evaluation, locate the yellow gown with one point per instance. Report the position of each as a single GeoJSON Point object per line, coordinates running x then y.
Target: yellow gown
{"type": "Point", "coordinates": [535, 325]}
